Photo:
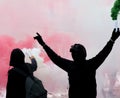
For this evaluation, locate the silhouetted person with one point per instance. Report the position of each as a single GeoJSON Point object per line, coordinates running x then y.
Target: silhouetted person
{"type": "Point", "coordinates": [16, 81]}
{"type": "Point", "coordinates": [81, 72]}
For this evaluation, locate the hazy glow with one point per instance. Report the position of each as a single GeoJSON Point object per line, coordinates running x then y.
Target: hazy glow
{"type": "Point", "coordinates": [61, 23]}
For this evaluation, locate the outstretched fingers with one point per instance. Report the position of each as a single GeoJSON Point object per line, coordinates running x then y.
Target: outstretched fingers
{"type": "Point", "coordinates": [38, 35]}
{"type": "Point", "coordinates": [114, 30]}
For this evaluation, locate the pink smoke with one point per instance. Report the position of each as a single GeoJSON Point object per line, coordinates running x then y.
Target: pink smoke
{"type": "Point", "coordinates": [108, 2]}
{"type": "Point", "coordinates": [60, 43]}
{"type": "Point", "coordinates": [7, 44]}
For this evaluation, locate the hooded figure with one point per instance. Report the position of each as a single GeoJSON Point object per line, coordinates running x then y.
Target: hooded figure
{"type": "Point", "coordinates": [81, 72]}
{"type": "Point", "coordinates": [16, 81]}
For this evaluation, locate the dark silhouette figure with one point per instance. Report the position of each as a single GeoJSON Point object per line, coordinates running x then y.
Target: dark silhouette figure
{"type": "Point", "coordinates": [16, 81]}
{"type": "Point", "coordinates": [81, 72]}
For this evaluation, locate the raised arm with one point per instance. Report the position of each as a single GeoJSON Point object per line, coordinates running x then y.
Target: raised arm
{"type": "Point", "coordinates": [59, 61]}
{"type": "Point", "coordinates": [102, 55]}
{"type": "Point", "coordinates": [33, 66]}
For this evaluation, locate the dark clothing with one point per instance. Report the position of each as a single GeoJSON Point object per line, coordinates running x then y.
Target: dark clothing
{"type": "Point", "coordinates": [16, 81]}
{"type": "Point", "coordinates": [15, 85]}
{"type": "Point", "coordinates": [82, 81]}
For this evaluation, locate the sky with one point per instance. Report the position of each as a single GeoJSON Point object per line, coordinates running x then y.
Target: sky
{"type": "Point", "coordinates": [61, 23]}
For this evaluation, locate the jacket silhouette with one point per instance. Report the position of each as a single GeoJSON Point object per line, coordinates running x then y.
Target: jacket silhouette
{"type": "Point", "coordinates": [81, 72]}
{"type": "Point", "coordinates": [16, 81]}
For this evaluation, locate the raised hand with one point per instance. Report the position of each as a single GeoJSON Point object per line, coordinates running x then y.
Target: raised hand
{"type": "Point", "coordinates": [39, 39]}
{"type": "Point", "coordinates": [115, 34]}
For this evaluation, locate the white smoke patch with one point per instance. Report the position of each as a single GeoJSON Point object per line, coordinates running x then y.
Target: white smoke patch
{"type": "Point", "coordinates": [33, 52]}
{"type": "Point", "coordinates": [54, 78]}
{"type": "Point", "coordinates": [2, 93]}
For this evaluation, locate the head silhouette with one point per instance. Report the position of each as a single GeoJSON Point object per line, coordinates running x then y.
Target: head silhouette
{"type": "Point", "coordinates": [17, 57]}
{"type": "Point", "coordinates": [78, 52]}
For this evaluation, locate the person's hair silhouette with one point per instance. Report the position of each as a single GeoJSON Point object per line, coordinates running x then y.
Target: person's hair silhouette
{"type": "Point", "coordinates": [16, 82]}
{"type": "Point", "coordinates": [78, 52]}
{"type": "Point", "coordinates": [17, 58]}
{"type": "Point", "coordinates": [81, 72]}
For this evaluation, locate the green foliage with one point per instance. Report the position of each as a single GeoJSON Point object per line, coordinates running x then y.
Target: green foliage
{"type": "Point", "coordinates": [115, 10]}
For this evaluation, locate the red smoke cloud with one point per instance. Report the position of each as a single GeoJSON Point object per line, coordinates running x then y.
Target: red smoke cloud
{"type": "Point", "coordinates": [60, 43]}
{"type": "Point", "coordinates": [7, 43]}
